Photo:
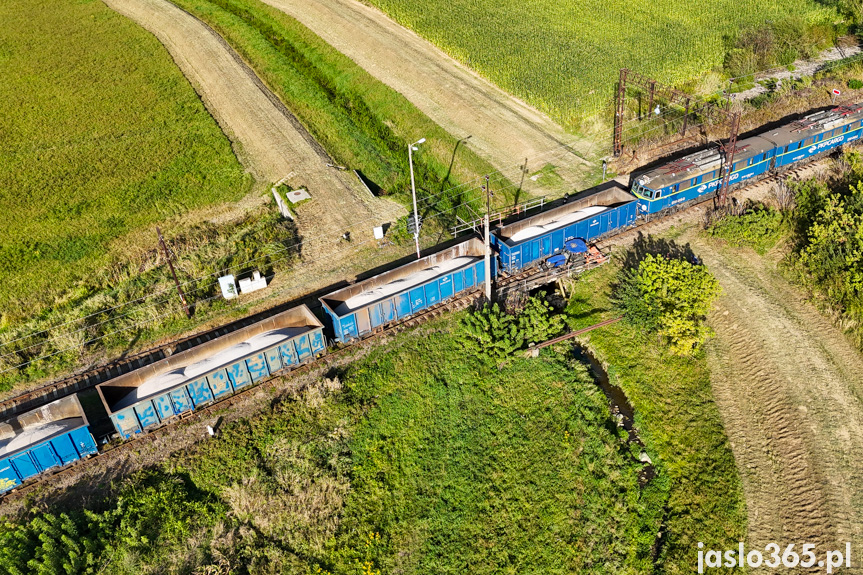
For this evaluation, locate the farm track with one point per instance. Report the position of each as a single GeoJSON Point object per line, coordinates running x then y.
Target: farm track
{"type": "Point", "coordinates": [503, 129]}
{"type": "Point", "coordinates": [267, 137]}
{"type": "Point", "coordinates": [790, 389]}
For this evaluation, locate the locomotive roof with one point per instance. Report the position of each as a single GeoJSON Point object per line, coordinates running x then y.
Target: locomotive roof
{"type": "Point", "coordinates": [701, 163]}
{"type": "Point", "coordinates": [815, 124]}
{"type": "Point", "coordinates": [708, 160]}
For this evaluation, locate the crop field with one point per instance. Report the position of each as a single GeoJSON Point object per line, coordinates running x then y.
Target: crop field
{"type": "Point", "coordinates": [102, 136]}
{"type": "Point", "coordinates": [564, 57]}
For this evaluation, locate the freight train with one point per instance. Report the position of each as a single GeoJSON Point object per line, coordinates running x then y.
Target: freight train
{"type": "Point", "coordinates": [57, 434]}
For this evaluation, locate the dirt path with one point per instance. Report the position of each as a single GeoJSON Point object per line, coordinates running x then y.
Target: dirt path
{"type": "Point", "coordinates": [790, 389]}
{"type": "Point", "coordinates": [267, 137]}
{"type": "Point", "coordinates": [503, 129]}
{"type": "Point", "coordinates": [800, 68]}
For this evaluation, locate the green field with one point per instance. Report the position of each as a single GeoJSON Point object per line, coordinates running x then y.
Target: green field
{"type": "Point", "coordinates": [563, 56]}
{"type": "Point", "coordinates": [101, 137]}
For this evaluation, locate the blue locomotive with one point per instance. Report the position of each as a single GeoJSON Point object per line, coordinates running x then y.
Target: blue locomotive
{"type": "Point", "coordinates": [695, 175]}
{"type": "Point", "coordinates": [156, 394]}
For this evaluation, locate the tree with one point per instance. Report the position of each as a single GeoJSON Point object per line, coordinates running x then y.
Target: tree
{"type": "Point", "coordinates": [671, 297]}
{"type": "Point", "coordinates": [833, 254]}
{"type": "Point", "coordinates": [50, 545]}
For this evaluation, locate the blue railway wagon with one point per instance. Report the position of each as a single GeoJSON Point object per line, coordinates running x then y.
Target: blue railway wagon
{"type": "Point", "coordinates": [698, 174]}
{"type": "Point", "coordinates": [360, 308]}
{"type": "Point", "coordinates": [588, 216]}
{"type": "Point", "coordinates": [51, 436]}
{"type": "Point", "coordinates": [149, 396]}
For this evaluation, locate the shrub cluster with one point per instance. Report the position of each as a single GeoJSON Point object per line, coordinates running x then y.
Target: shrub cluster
{"type": "Point", "coordinates": [828, 244]}
{"type": "Point", "coordinates": [670, 297]}
{"type": "Point", "coordinates": [757, 226]}
{"type": "Point", "coordinates": [154, 517]}
{"type": "Point", "coordinates": [495, 334]}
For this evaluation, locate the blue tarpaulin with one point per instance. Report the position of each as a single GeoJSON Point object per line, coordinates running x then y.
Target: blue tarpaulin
{"type": "Point", "coordinates": [556, 261]}
{"type": "Point", "coordinates": [576, 246]}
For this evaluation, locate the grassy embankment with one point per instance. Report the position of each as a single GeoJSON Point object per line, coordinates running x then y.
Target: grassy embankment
{"type": "Point", "coordinates": [419, 459]}
{"type": "Point", "coordinates": [102, 137]}
{"type": "Point", "coordinates": [576, 49]}
{"type": "Point", "coordinates": [679, 423]}
{"type": "Point", "coordinates": [360, 121]}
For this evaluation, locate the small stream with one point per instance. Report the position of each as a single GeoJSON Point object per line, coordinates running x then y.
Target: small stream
{"type": "Point", "coordinates": [621, 410]}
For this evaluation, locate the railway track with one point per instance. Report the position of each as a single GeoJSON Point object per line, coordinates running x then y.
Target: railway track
{"type": "Point", "coordinates": [275, 382]}
{"type": "Point", "coordinates": [525, 281]}
{"type": "Point", "coordinates": [90, 378]}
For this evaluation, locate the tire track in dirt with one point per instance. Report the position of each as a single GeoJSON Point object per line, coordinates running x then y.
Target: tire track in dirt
{"type": "Point", "coordinates": [504, 129]}
{"type": "Point", "coordinates": [761, 426]}
{"type": "Point", "coordinates": [790, 390]}
{"type": "Point", "coordinates": [268, 139]}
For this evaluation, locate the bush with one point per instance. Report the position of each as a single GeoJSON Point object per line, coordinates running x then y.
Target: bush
{"type": "Point", "coordinates": [496, 335]}
{"type": "Point", "coordinates": [855, 84]}
{"type": "Point", "coordinates": [829, 257]}
{"type": "Point", "coordinates": [670, 297]}
{"type": "Point", "coordinates": [153, 517]}
{"type": "Point", "coordinates": [537, 322]}
{"type": "Point", "coordinates": [491, 333]}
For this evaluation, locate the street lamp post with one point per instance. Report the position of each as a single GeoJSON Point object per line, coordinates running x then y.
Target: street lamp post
{"type": "Point", "coordinates": [411, 149]}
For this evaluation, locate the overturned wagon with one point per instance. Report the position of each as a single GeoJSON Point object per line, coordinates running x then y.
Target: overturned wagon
{"type": "Point", "coordinates": [146, 397]}
{"type": "Point", "coordinates": [396, 294]}
{"type": "Point", "coordinates": [587, 216]}
{"type": "Point", "coordinates": [51, 436]}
